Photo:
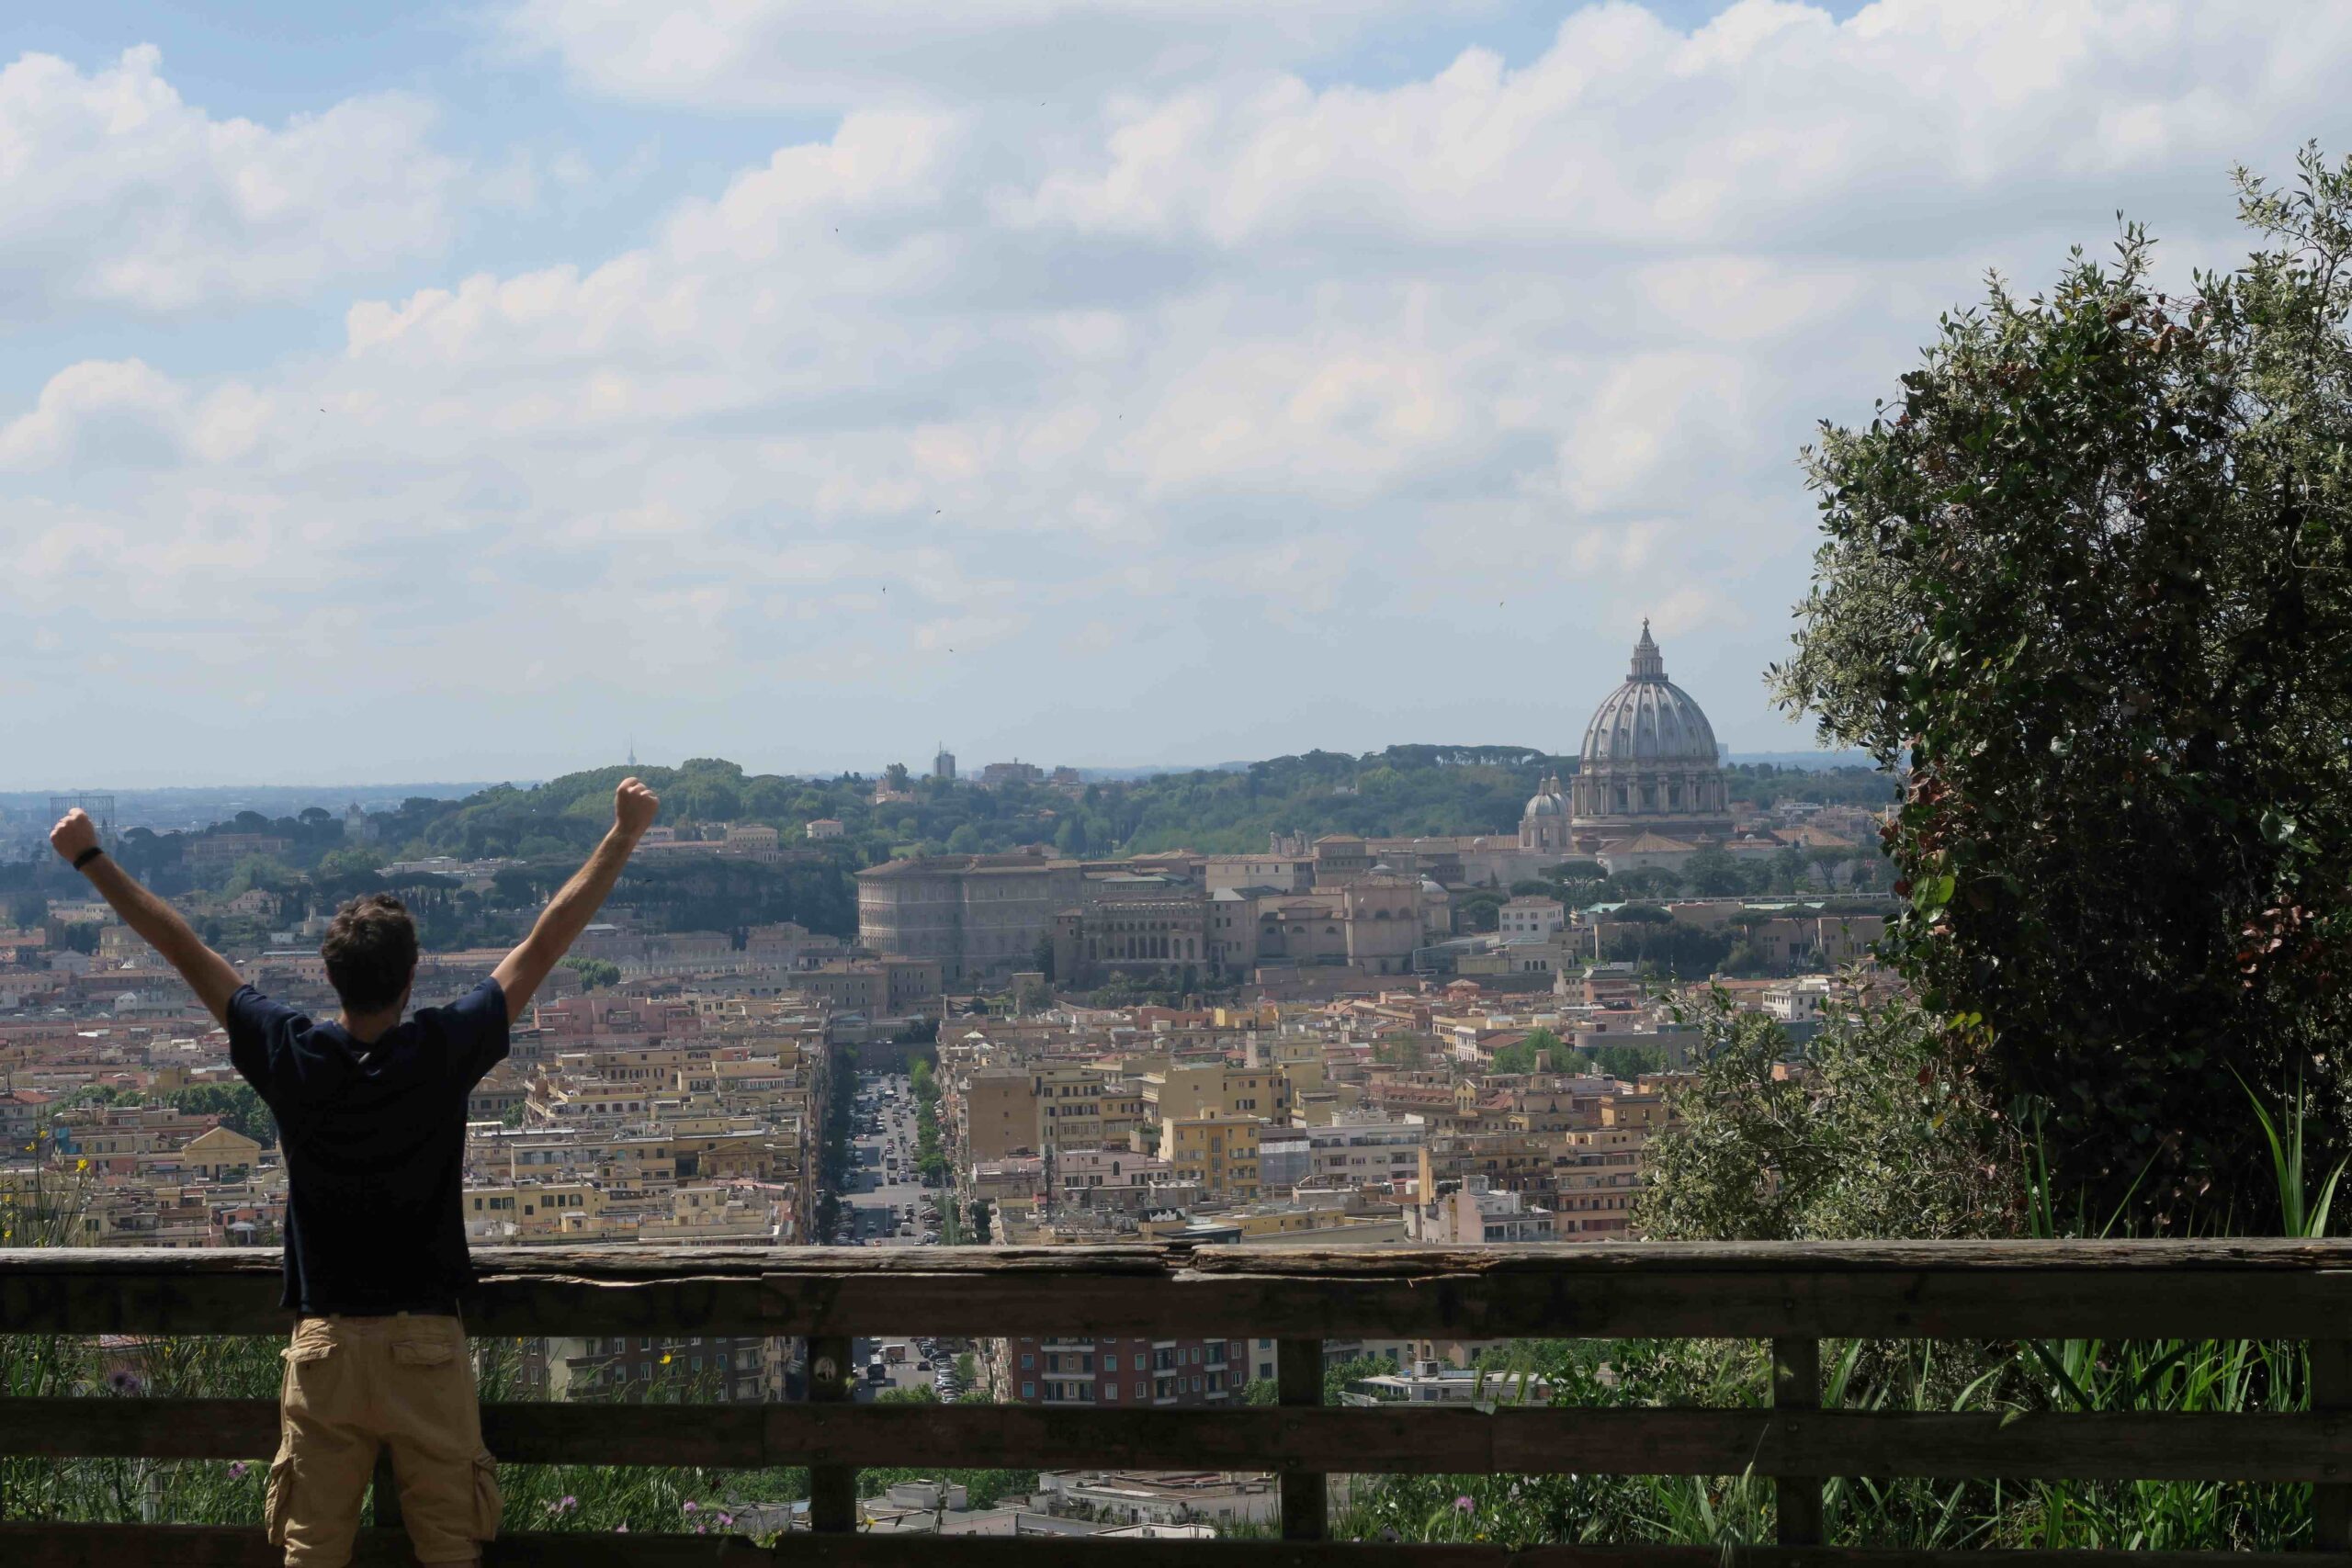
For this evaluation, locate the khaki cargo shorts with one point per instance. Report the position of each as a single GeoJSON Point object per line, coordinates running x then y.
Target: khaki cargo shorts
{"type": "Point", "coordinates": [405, 1384]}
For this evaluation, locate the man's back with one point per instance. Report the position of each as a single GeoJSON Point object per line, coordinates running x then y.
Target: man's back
{"type": "Point", "coordinates": [371, 1113]}
{"type": "Point", "coordinates": [374, 1136]}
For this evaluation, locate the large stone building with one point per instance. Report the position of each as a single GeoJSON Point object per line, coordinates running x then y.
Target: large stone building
{"type": "Point", "coordinates": [978, 915]}
{"type": "Point", "coordinates": [1648, 767]}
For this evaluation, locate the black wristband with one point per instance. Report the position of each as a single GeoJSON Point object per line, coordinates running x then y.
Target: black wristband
{"type": "Point", "coordinates": [87, 856]}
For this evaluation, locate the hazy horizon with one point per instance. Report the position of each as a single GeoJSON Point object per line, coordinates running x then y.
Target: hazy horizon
{"type": "Point", "coordinates": [21, 796]}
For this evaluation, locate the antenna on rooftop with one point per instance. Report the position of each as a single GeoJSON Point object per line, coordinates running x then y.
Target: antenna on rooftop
{"type": "Point", "coordinates": [632, 750]}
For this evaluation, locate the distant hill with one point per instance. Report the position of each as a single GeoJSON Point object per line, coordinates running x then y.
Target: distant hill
{"type": "Point", "coordinates": [1419, 791]}
{"type": "Point", "coordinates": [1811, 762]}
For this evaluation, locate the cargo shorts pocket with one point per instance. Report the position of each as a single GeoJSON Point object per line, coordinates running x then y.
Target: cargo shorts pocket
{"type": "Point", "coordinates": [278, 1497]}
{"type": "Point", "coordinates": [487, 1501]}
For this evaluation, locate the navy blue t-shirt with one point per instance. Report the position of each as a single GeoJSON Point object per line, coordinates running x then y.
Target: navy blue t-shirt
{"type": "Point", "coordinates": [375, 1140]}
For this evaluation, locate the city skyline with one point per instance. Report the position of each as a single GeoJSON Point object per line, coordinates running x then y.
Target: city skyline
{"type": "Point", "coordinates": [1272, 378]}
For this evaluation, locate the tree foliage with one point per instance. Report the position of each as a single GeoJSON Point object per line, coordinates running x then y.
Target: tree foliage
{"type": "Point", "coordinates": [2090, 577]}
{"type": "Point", "coordinates": [595, 974]}
{"type": "Point", "coordinates": [1869, 1136]}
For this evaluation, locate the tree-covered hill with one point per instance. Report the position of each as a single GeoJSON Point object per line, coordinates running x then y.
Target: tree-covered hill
{"type": "Point", "coordinates": [1414, 790]}
{"type": "Point", "coordinates": [1405, 789]}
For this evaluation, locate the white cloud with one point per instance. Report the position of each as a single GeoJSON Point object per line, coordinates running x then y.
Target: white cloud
{"type": "Point", "coordinates": [770, 53]}
{"type": "Point", "coordinates": [120, 192]}
{"type": "Point", "coordinates": [1242, 370]}
{"type": "Point", "coordinates": [118, 411]}
{"type": "Point", "coordinates": [1755, 129]}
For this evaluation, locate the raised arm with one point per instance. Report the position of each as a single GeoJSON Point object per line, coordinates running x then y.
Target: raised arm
{"type": "Point", "coordinates": [158, 924]}
{"type": "Point", "coordinates": [523, 970]}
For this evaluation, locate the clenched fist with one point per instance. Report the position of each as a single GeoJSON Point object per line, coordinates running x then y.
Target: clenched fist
{"type": "Point", "coordinates": [634, 807]}
{"type": "Point", "coordinates": [75, 835]}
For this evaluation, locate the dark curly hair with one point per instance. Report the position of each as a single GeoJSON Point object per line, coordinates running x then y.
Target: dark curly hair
{"type": "Point", "coordinates": [370, 952]}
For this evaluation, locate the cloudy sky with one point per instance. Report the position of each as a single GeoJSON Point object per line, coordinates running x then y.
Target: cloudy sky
{"type": "Point", "coordinates": [1100, 381]}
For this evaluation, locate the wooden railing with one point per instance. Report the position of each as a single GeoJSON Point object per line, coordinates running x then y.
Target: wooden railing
{"type": "Point", "coordinates": [1792, 1295]}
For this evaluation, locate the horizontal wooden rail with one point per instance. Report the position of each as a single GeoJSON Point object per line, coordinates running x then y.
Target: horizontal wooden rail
{"type": "Point", "coordinates": [1393, 1441]}
{"type": "Point", "coordinates": [1792, 1294]}
{"type": "Point", "coordinates": [196, 1546]}
{"type": "Point", "coordinates": [2282, 1288]}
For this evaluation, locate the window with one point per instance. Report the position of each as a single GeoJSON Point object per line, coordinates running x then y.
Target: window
{"type": "Point", "coordinates": [1027, 1360]}
{"type": "Point", "coordinates": [1028, 1391]}
{"type": "Point", "coordinates": [1109, 1363]}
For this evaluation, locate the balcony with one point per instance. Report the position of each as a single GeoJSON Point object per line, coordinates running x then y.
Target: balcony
{"type": "Point", "coordinates": [1793, 1295]}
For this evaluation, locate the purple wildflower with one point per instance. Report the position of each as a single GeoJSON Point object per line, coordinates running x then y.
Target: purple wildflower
{"type": "Point", "coordinates": [692, 1505]}
{"type": "Point", "coordinates": [236, 1470]}
{"type": "Point", "coordinates": [1465, 1504]}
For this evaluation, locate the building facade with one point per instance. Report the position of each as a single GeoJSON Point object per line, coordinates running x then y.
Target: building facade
{"type": "Point", "coordinates": [980, 916]}
{"type": "Point", "coordinates": [1649, 762]}
{"type": "Point", "coordinates": [1135, 1373]}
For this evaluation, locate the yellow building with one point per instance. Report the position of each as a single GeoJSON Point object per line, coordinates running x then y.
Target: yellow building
{"type": "Point", "coordinates": [1217, 1089]}
{"type": "Point", "coordinates": [998, 1115]}
{"type": "Point", "coordinates": [1069, 1105]}
{"type": "Point", "coordinates": [221, 1154]}
{"type": "Point", "coordinates": [528, 1213]}
{"type": "Point", "coordinates": [1218, 1152]}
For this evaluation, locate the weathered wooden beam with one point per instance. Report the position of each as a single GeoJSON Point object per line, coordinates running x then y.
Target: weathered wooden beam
{"type": "Point", "coordinates": [210, 1546]}
{"type": "Point", "coordinates": [2120, 1446]}
{"type": "Point", "coordinates": [833, 1487]}
{"type": "Point", "coordinates": [196, 1546]}
{"type": "Point", "coordinates": [2283, 1289]}
{"type": "Point", "coordinates": [1796, 1400]}
{"type": "Point", "coordinates": [1305, 1492]}
{"type": "Point", "coordinates": [2331, 1363]}
{"type": "Point", "coordinates": [892, 1551]}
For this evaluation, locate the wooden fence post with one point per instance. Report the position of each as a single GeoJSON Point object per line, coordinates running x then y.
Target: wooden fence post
{"type": "Point", "coordinates": [1796, 1388]}
{"type": "Point", "coordinates": [1298, 1372]}
{"type": "Point", "coordinates": [2331, 1394]}
{"type": "Point", "coordinates": [832, 1488]}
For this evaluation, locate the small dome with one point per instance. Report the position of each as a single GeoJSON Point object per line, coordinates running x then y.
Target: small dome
{"type": "Point", "coordinates": [1649, 720]}
{"type": "Point", "coordinates": [1547, 800]}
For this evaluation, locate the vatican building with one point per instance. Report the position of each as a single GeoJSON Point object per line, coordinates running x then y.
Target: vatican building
{"type": "Point", "coordinates": [1648, 765]}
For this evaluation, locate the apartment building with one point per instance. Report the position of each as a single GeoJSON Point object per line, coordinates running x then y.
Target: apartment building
{"type": "Point", "coordinates": [1350, 1152]}
{"type": "Point", "coordinates": [1218, 1153]}
{"type": "Point", "coordinates": [1476, 1214]}
{"type": "Point", "coordinates": [1132, 1374]}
